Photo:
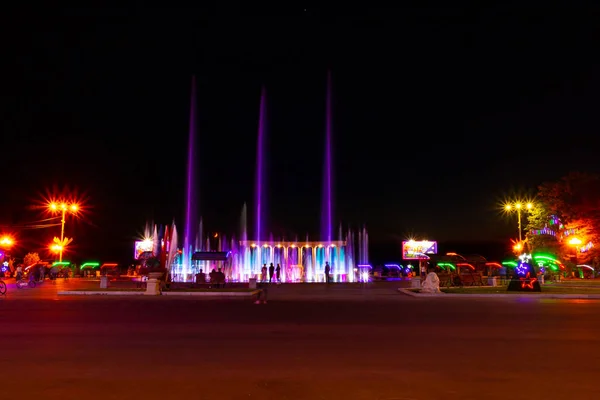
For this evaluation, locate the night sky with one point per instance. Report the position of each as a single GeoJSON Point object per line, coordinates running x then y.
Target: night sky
{"type": "Point", "coordinates": [440, 114]}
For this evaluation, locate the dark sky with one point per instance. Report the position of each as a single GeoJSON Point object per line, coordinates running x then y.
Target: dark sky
{"type": "Point", "coordinates": [439, 115]}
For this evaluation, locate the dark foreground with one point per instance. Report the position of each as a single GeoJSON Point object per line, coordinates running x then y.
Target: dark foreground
{"type": "Point", "coordinates": [381, 345]}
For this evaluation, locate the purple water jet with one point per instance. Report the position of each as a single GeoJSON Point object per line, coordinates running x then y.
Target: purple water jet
{"type": "Point", "coordinates": [327, 205]}
{"type": "Point", "coordinates": [190, 193]}
{"type": "Point", "coordinates": [260, 167]}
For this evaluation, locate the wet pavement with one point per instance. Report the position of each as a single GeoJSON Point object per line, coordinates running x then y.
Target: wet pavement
{"type": "Point", "coordinates": [308, 342]}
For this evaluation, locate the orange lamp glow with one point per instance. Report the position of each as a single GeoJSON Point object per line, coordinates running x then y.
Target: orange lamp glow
{"type": "Point", "coordinates": [6, 241]}
{"type": "Point", "coordinates": [518, 247]}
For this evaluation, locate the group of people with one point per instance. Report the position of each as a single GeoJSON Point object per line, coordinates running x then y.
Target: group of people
{"type": "Point", "coordinates": [37, 273]}
{"type": "Point", "coordinates": [217, 278]}
{"type": "Point", "coordinates": [273, 272]}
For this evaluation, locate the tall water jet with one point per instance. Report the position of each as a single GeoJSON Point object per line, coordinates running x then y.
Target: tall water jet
{"type": "Point", "coordinates": [172, 249]}
{"type": "Point", "coordinates": [190, 194]}
{"type": "Point", "coordinates": [244, 223]}
{"type": "Point", "coordinates": [327, 204]}
{"type": "Point", "coordinates": [260, 188]}
{"type": "Point", "coordinates": [155, 241]}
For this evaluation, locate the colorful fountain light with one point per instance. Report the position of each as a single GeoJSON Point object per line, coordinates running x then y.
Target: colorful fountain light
{"type": "Point", "coordinates": [243, 259]}
{"type": "Point", "coordinates": [327, 205]}
{"type": "Point", "coordinates": [191, 201]}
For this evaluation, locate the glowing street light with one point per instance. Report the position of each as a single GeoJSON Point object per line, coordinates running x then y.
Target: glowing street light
{"type": "Point", "coordinates": [63, 208]}
{"type": "Point", "coordinates": [6, 241]}
{"type": "Point", "coordinates": [518, 207]}
{"type": "Point", "coordinates": [575, 241]}
{"type": "Point", "coordinates": [518, 247]}
{"type": "Point", "coordinates": [57, 248]}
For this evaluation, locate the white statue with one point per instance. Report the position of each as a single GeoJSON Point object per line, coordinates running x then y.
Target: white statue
{"type": "Point", "coordinates": [431, 284]}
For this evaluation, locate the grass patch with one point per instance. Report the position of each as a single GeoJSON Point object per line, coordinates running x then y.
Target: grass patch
{"type": "Point", "coordinates": [110, 289]}
{"type": "Point", "coordinates": [232, 290]}
{"type": "Point", "coordinates": [554, 289]}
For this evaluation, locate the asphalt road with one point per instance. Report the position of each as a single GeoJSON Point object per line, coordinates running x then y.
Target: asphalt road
{"type": "Point", "coordinates": [308, 342]}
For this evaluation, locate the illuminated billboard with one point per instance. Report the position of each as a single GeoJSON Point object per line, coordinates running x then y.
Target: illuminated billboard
{"type": "Point", "coordinates": [142, 246]}
{"type": "Point", "coordinates": [417, 249]}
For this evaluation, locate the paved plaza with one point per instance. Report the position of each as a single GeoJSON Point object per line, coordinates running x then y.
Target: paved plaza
{"type": "Point", "coordinates": [308, 342]}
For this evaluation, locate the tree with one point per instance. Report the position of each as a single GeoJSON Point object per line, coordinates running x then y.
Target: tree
{"type": "Point", "coordinates": [31, 259]}
{"type": "Point", "coordinates": [538, 220]}
{"type": "Point", "coordinates": [575, 201]}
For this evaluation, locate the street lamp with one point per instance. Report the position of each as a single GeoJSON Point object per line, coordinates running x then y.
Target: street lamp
{"type": "Point", "coordinates": [63, 208]}
{"type": "Point", "coordinates": [575, 241]}
{"type": "Point", "coordinates": [518, 206]}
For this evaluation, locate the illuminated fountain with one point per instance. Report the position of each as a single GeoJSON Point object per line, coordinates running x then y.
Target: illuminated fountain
{"type": "Point", "coordinates": [191, 201]}
{"type": "Point", "coordinates": [327, 204]}
{"type": "Point", "coordinates": [300, 260]}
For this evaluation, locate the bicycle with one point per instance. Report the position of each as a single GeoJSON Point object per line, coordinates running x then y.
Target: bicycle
{"type": "Point", "coordinates": [2, 287]}
{"type": "Point", "coordinates": [22, 283]}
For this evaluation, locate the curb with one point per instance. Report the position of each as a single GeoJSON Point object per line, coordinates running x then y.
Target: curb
{"type": "Point", "coordinates": [504, 295]}
{"type": "Point", "coordinates": [414, 294]}
{"type": "Point", "coordinates": [141, 293]}
{"type": "Point", "coordinates": [213, 294]}
{"type": "Point", "coordinates": [100, 293]}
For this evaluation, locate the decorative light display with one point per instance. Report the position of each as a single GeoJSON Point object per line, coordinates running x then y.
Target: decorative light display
{"type": "Point", "coordinates": [524, 279]}
{"type": "Point", "coordinates": [586, 248]}
{"type": "Point", "coordinates": [568, 232]}
{"type": "Point", "coordinates": [585, 266]}
{"type": "Point", "coordinates": [525, 258]}
{"type": "Point", "coordinates": [555, 221]}
{"type": "Point", "coordinates": [549, 261]}
{"type": "Point", "coordinates": [445, 265]}
{"type": "Point", "coordinates": [522, 269]}
{"type": "Point", "coordinates": [61, 264]}
{"type": "Point", "coordinates": [544, 231]}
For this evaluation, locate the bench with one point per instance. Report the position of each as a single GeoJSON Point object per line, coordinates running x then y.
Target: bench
{"type": "Point", "coordinates": [445, 279]}
{"type": "Point", "coordinates": [471, 279]}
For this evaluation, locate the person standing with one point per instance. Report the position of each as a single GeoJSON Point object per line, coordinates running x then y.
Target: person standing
{"type": "Point", "coordinates": [278, 273]}
{"type": "Point", "coordinates": [263, 273]}
{"type": "Point", "coordinates": [327, 271]}
{"type": "Point", "coordinates": [271, 272]}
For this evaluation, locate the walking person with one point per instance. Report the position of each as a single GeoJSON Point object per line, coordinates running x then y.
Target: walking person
{"type": "Point", "coordinates": [271, 272]}
{"type": "Point", "coordinates": [261, 296]}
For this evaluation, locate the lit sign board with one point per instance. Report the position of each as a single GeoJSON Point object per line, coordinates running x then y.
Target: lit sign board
{"type": "Point", "coordinates": [142, 246]}
{"type": "Point", "coordinates": [417, 249]}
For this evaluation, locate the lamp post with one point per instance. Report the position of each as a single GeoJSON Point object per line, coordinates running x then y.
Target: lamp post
{"type": "Point", "coordinates": [518, 206]}
{"type": "Point", "coordinates": [575, 242]}
{"type": "Point", "coordinates": [63, 208]}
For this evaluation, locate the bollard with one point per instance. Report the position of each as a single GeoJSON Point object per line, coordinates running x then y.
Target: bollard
{"type": "Point", "coordinates": [415, 282]}
{"type": "Point", "coordinates": [152, 287]}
